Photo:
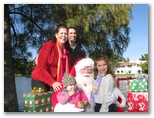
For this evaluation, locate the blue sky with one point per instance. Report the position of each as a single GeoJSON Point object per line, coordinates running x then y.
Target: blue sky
{"type": "Point", "coordinates": [139, 33]}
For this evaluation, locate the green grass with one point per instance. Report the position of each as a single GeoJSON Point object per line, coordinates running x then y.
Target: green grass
{"type": "Point", "coordinates": [20, 75]}
{"type": "Point", "coordinates": [125, 75]}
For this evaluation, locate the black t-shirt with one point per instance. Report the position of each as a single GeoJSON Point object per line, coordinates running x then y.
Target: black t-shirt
{"type": "Point", "coordinates": [76, 53]}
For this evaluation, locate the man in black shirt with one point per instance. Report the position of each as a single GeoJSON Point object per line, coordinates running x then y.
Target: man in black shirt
{"type": "Point", "coordinates": [77, 49]}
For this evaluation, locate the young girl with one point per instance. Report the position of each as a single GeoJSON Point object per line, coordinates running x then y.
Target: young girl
{"type": "Point", "coordinates": [104, 85]}
{"type": "Point", "coordinates": [71, 98]}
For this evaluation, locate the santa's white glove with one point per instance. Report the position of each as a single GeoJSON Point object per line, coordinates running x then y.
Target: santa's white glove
{"type": "Point", "coordinates": [111, 98]}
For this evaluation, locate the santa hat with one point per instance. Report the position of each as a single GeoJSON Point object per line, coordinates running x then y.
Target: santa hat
{"type": "Point", "coordinates": [73, 71]}
{"type": "Point", "coordinates": [81, 63]}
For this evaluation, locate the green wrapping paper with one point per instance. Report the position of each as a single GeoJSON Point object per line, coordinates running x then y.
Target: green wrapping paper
{"type": "Point", "coordinates": [138, 85]}
{"type": "Point", "coordinates": [37, 102]}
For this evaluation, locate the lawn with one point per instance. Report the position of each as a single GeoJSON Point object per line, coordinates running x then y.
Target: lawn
{"type": "Point", "coordinates": [125, 75]}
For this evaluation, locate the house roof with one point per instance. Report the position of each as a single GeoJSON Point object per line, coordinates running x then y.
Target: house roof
{"type": "Point", "coordinates": [132, 63]}
{"type": "Point", "coordinates": [122, 64]}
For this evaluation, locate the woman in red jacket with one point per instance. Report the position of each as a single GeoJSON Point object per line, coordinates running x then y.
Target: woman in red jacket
{"type": "Point", "coordinates": [52, 62]}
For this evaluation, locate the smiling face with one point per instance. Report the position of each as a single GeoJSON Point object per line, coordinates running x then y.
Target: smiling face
{"type": "Point", "coordinates": [72, 35]}
{"type": "Point", "coordinates": [102, 66]}
{"type": "Point", "coordinates": [86, 71]}
{"type": "Point", "coordinates": [61, 36]}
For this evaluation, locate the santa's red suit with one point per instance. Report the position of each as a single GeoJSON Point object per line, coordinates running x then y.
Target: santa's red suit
{"type": "Point", "coordinates": [85, 82]}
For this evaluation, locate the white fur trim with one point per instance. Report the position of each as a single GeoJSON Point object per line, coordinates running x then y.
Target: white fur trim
{"type": "Point", "coordinates": [82, 63]}
{"type": "Point", "coordinates": [119, 93]}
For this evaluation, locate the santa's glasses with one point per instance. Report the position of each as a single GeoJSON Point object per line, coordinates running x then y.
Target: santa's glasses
{"type": "Point", "coordinates": [88, 68]}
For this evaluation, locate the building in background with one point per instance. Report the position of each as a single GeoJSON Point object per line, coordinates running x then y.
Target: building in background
{"type": "Point", "coordinates": [132, 67]}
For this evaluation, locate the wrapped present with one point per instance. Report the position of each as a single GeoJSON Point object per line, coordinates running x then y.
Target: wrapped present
{"type": "Point", "coordinates": [138, 85]}
{"type": "Point", "coordinates": [37, 102]}
{"type": "Point", "coordinates": [137, 101]}
{"type": "Point", "coordinates": [123, 83]}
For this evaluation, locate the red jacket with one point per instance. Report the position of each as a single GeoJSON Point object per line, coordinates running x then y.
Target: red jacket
{"type": "Point", "coordinates": [46, 69]}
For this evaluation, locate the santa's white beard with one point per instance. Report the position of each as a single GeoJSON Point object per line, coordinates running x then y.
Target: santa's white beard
{"type": "Point", "coordinates": [85, 83]}
{"type": "Point", "coordinates": [84, 80]}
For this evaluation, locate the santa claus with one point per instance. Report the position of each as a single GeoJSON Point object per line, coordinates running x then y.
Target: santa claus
{"type": "Point", "coordinates": [84, 75]}
{"type": "Point", "coordinates": [83, 71]}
